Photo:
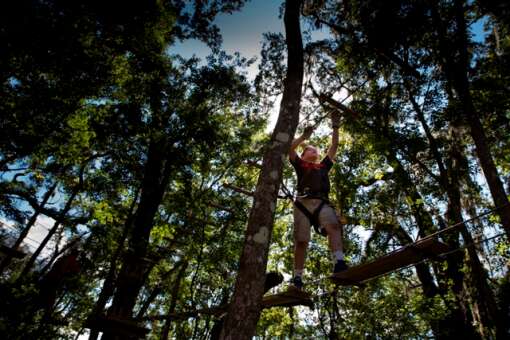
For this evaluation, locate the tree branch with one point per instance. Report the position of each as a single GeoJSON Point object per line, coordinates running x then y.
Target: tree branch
{"type": "Point", "coordinates": [34, 203]}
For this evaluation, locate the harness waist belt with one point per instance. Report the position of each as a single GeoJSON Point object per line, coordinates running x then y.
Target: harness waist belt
{"type": "Point", "coordinates": [311, 194]}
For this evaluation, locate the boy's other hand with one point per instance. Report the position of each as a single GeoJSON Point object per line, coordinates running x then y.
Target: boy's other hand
{"type": "Point", "coordinates": [335, 119]}
{"type": "Point", "coordinates": [307, 132]}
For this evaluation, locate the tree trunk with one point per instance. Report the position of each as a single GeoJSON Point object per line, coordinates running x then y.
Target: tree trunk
{"type": "Point", "coordinates": [456, 260]}
{"type": "Point", "coordinates": [157, 290]}
{"type": "Point", "coordinates": [134, 266]}
{"type": "Point", "coordinates": [456, 74]}
{"type": "Point", "coordinates": [488, 315]}
{"type": "Point", "coordinates": [455, 322]}
{"type": "Point", "coordinates": [484, 155]}
{"type": "Point", "coordinates": [475, 283]}
{"type": "Point", "coordinates": [244, 310]}
{"type": "Point", "coordinates": [173, 302]}
{"type": "Point", "coordinates": [454, 59]}
{"type": "Point", "coordinates": [456, 71]}
{"type": "Point", "coordinates": [109, 281]}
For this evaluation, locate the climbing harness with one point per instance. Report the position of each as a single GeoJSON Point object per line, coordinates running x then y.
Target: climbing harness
{"type": "Point", "coordinates": [313, 217]}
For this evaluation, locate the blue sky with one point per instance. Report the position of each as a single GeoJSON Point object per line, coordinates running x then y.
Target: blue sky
{"type": "Point", "coordinates": [241, 31]}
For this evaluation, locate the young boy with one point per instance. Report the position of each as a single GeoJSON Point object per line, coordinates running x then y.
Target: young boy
{"type": "Point", "coordinates": [313, 188]}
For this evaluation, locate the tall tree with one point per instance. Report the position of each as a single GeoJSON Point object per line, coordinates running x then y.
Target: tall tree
{"type": "Point", "coordinates": [244, 310]}
{"type": "Point", "coordinates": [456, 65]}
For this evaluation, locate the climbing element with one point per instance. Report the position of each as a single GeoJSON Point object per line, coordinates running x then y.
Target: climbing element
{"type": "Point", "coordinates": [127, 328]}
{"type": "Point", "coordinates": [412, 253]}
{"type": "Point", "coordinates": [12, 252]}
{"type": "Point", "coordinates": [409, 255]}
{"type": "Point", "coordinates": [289, 298]}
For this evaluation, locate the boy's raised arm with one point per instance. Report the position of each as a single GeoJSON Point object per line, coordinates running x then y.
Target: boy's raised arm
{"type": "Point", "coordinates": [296, 142]}
{"type": "Point", "coordinates": [335, 123]}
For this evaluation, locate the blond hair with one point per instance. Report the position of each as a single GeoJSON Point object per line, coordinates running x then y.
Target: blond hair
{"type": "Point", "coordinates": [305, 148]}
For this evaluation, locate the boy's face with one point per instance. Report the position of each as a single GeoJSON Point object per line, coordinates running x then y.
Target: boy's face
{"type": "Point", "coordinates": [311, 154]}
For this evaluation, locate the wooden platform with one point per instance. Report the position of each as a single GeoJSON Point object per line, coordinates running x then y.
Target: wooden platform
{"type": "Point", "coordinates": [291, 297]}
{"type": "Point", "coordinates": [402, 257]}
{"type": "Point", "coordinates": [18, 254]}
{"type": "Point", "coordinates": [128, 329]}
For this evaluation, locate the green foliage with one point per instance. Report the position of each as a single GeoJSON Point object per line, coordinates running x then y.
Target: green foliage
{"type": "Point", "coordinates": [88, 92]}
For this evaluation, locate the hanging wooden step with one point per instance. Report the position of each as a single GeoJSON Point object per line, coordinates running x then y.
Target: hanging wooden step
{"type": "Point", "coordinates": [291, 297]}
{"type": "Point", "coordinates": [126, 328]}
{"type": "Point", "coordinates": [18, 254]}
{"type": "Point", "coordinates": [413, 253]}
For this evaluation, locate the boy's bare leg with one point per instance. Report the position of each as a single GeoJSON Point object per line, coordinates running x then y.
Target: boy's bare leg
{"type": "Point", "coordinates": [334, 237]}
{"type": "Point", "coordinates": [336, 245]}
{"type": "Point", "coordinates": [299, 255]}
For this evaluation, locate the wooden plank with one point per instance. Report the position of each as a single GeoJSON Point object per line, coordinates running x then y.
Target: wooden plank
{"type": "Point", "coordinates": [12, 252]}
{"type": "Point", "coordinates": [291, 297]}
{"type": "Point", "coordinates": [400, 258]}
{"type": "Point", "coordinates": [126, 328]}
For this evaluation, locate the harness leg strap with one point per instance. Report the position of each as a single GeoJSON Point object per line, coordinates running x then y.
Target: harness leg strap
{"type": "Point", "coordinates": [313, 217]}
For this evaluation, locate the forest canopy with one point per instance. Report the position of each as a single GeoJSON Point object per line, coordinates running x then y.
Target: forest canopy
{"type": "Point", "coordinates": [144, 193]}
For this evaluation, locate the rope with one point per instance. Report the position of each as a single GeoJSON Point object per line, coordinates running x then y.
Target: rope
{"type": "Point", "coordinates": [321, 118]}
{"type": "Point", "coordinates": [290, 196]}
{"type": "Point", "coordinates": [453, 226]}
{"type": "Point", "coordinates": [307, 116]}
{"type": "Point", "coordinates": [26, 237]}
{"type": "Point", "coordinates": [433, 235]}
{"type": "Point", "coordinates": [287, 192]}
{"type": "Point", "coordinates": [445, 254]}
{"type": "Point", "coordinates": [488, 212]}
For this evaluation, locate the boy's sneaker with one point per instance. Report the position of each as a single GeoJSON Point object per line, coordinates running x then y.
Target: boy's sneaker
{"type": "Point", "coordinates": [297, 282]}
{"type": "Point", "coordinates": [340, 266]}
